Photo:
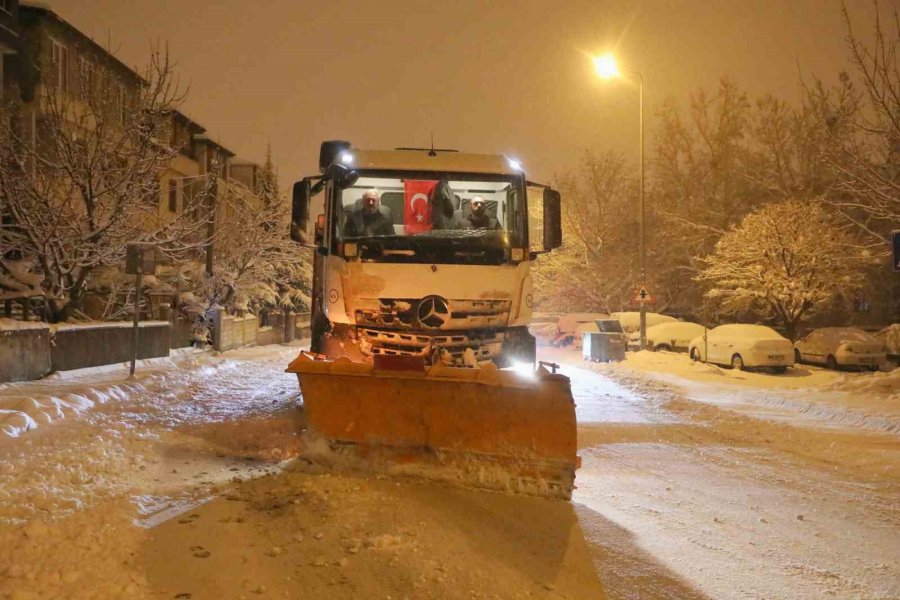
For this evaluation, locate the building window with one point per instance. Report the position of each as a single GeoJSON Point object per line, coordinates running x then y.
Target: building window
{"type": "Point", "coordinates": [88, 76]}
{"type": "Point", "coordinates": [118, 101]}
{"type": "Point", "coordinates": [60, 59]}
{"type": "Point", "coordinates": [173, 195]}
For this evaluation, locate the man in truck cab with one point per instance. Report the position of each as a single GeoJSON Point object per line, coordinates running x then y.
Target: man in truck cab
{"type": "Point", "coordinates": [478, 217]}
{"type": "Point", "coordinates": [366, 219]}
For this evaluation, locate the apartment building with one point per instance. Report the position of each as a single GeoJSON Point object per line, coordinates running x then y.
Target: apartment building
{"type": "Point", "coordinates": [51, 51]}
{"type": "Point", "coordinates": [41, 50]}
{"type": "Point", "coordinates": [9, 38]}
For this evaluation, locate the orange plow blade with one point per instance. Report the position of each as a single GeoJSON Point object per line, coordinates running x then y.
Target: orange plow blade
{"type": "Point", "coordinates": [479, 427]}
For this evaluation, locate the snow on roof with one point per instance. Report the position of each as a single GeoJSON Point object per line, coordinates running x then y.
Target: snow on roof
{"type": "Point", "coordinates": [568, 323]}
{"type": "Point", "coordinates": [681, 330]}
{"type": "Point", "coordinates": [841, 334]}
{"type": "Point", "coordinates": [631, 320]}
{"type": "Point", "coordinates": [747, 331]}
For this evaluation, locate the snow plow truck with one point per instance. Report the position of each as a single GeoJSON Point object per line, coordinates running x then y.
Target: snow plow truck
{"type": "Point", "coordinates": [420, 357]}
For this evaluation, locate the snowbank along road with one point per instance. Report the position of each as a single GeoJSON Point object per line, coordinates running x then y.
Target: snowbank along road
{"type": "Point", "coordinates": [696, 483]}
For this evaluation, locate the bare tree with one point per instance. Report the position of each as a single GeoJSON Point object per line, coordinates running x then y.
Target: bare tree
{"type": "Point", "coordinates": [599, 239]}
{"type": "Point", "coordinates": [860, 119]}
{"type": "Point", "coordinates": [784, 262]}
{"type": "Point", "coordinates": [84, 182]}
{"type": "Point", "coordinates": [699, 183]}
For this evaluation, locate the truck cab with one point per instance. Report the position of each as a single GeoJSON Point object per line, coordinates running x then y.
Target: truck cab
{"type": "Point", "coordinates": [422, 273]}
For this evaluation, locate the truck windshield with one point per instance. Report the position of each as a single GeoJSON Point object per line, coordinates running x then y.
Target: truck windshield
{"type": "Point", "coordinates": [475, 218]}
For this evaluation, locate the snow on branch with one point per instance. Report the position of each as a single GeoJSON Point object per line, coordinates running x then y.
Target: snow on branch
{"type": "Point", "coordinates": [85, 180]}
{"type": "Point", "coordinates": [785, 261]}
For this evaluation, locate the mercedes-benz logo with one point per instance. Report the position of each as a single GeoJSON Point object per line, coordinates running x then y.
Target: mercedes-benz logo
{"type": "Point", "coordinates": [433, 311]}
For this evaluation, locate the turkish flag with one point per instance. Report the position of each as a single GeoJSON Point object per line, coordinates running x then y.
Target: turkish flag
{"type": "Point", "coordinates": [417, 206]}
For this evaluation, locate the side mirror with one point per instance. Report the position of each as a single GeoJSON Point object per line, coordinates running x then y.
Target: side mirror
{"type": "Point", "coordinates": [300, 210]}
{"type": "Point", "coordinates": [342, 175]}
{"type": "Point", "coordinates": [552, 220]}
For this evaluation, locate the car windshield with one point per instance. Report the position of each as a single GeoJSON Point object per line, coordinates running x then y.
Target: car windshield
{"type": "Point", "coordinates": [403, 216]}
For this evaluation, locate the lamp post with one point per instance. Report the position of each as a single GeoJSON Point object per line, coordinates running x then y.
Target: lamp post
{"type": "Point", "coordinates": [607, 68]}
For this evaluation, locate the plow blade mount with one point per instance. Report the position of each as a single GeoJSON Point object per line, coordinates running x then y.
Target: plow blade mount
{"type": "Point", "coordinates": [477, 427]}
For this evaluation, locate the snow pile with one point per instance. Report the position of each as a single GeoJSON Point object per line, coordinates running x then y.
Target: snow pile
{"type": "Point", "coordinates": [91, 554]}
{"type": "Point", "coordinates": [804, 395]}
{"type": "Point", "coordinates": [25, 406]}
{"type": "Point", "coordinates": [105, 325]}
{"type": "Point", "coordinates": [885, 384]}
{"type": "Point", "coordinates": [16, 325]}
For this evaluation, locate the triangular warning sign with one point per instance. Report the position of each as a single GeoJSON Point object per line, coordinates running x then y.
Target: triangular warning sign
{"type": "Point", "coordinates": [642, 296]}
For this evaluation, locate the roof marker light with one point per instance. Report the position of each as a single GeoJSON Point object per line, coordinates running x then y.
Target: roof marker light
{"type": "Point", "coordinates": [514, 164]}
{"type": "Point", "coordinates": [346, 158]}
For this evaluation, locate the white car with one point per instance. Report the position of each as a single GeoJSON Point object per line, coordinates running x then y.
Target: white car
{"type": "Point", "coordinates": [668, 337]}
{"type": "Point", "coordinates": [837, 347]}
{"type": "Point", "coordinates": [743, 346]}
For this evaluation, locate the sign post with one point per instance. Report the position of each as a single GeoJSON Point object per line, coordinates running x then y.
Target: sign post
{"type": "Point", "coordinates": [895, 243]}
{"type": "Point", "coordinates": [643, 297]}
{"type": "Point", "coordinates": [140, 258]}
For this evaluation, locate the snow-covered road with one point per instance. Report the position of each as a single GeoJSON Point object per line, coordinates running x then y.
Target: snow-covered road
{"type": "Point", "coordinates": [736, 503]}
{"type": "Point", "coordinates": [696, 483]}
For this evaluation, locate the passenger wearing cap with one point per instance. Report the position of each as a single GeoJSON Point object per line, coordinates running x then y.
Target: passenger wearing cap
{"type": "Point", "coordinates": [366, 220]}
{"type": "Point", "coordinates": [478, 217]}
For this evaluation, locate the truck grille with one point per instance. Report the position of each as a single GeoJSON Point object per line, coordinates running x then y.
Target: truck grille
{"type": "Point", "coordinates": [486, 345]}
{"type": "Point", "coordinates": [434, 312]}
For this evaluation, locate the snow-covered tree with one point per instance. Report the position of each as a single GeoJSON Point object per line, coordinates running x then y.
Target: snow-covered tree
{"type": "Point", "coordinates": [85, 182]}
{"type": "Point", "coordinates": [258, 264]}
{"type": "Point", "coordinates": [784, 262]}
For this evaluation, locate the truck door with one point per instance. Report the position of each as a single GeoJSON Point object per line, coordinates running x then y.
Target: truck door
{"type": "Point", "coordinates": [319, 209]}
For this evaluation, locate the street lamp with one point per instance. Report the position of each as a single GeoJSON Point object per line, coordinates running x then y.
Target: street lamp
{"type": "Point", "coordinates": [607, 68]}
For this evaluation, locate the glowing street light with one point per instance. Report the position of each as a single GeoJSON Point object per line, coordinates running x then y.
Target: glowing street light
{"type": "Point", "coordinates": [607, 68]}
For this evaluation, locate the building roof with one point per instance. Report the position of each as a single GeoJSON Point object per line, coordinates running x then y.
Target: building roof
{"type": "Point", "coordinates": [193, 126]}
{"type": "Point", "coordinates": [39, 9]}
{"type": "Point", "coordinates": [202, 137]}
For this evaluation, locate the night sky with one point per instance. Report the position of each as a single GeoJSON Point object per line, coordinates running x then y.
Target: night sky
{"type": "Point", "coordinates": [504, 77]}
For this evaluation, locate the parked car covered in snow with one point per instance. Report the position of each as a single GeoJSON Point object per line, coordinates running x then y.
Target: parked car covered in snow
{"type": "Point", "coordinates": [890, 337]}
{"type": "Point", "coordinates": [571, 326]}
{"type": "Point", "coordinates": [837, 347]}
{"type": "Point", "coordinates": [743, 346]}
{"type": "Point", "coordinates": [544, 333]}
{"type": "Point", "coordinates": [668, 337]}
{"type": "Point", "coordinates": [631, 320]}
